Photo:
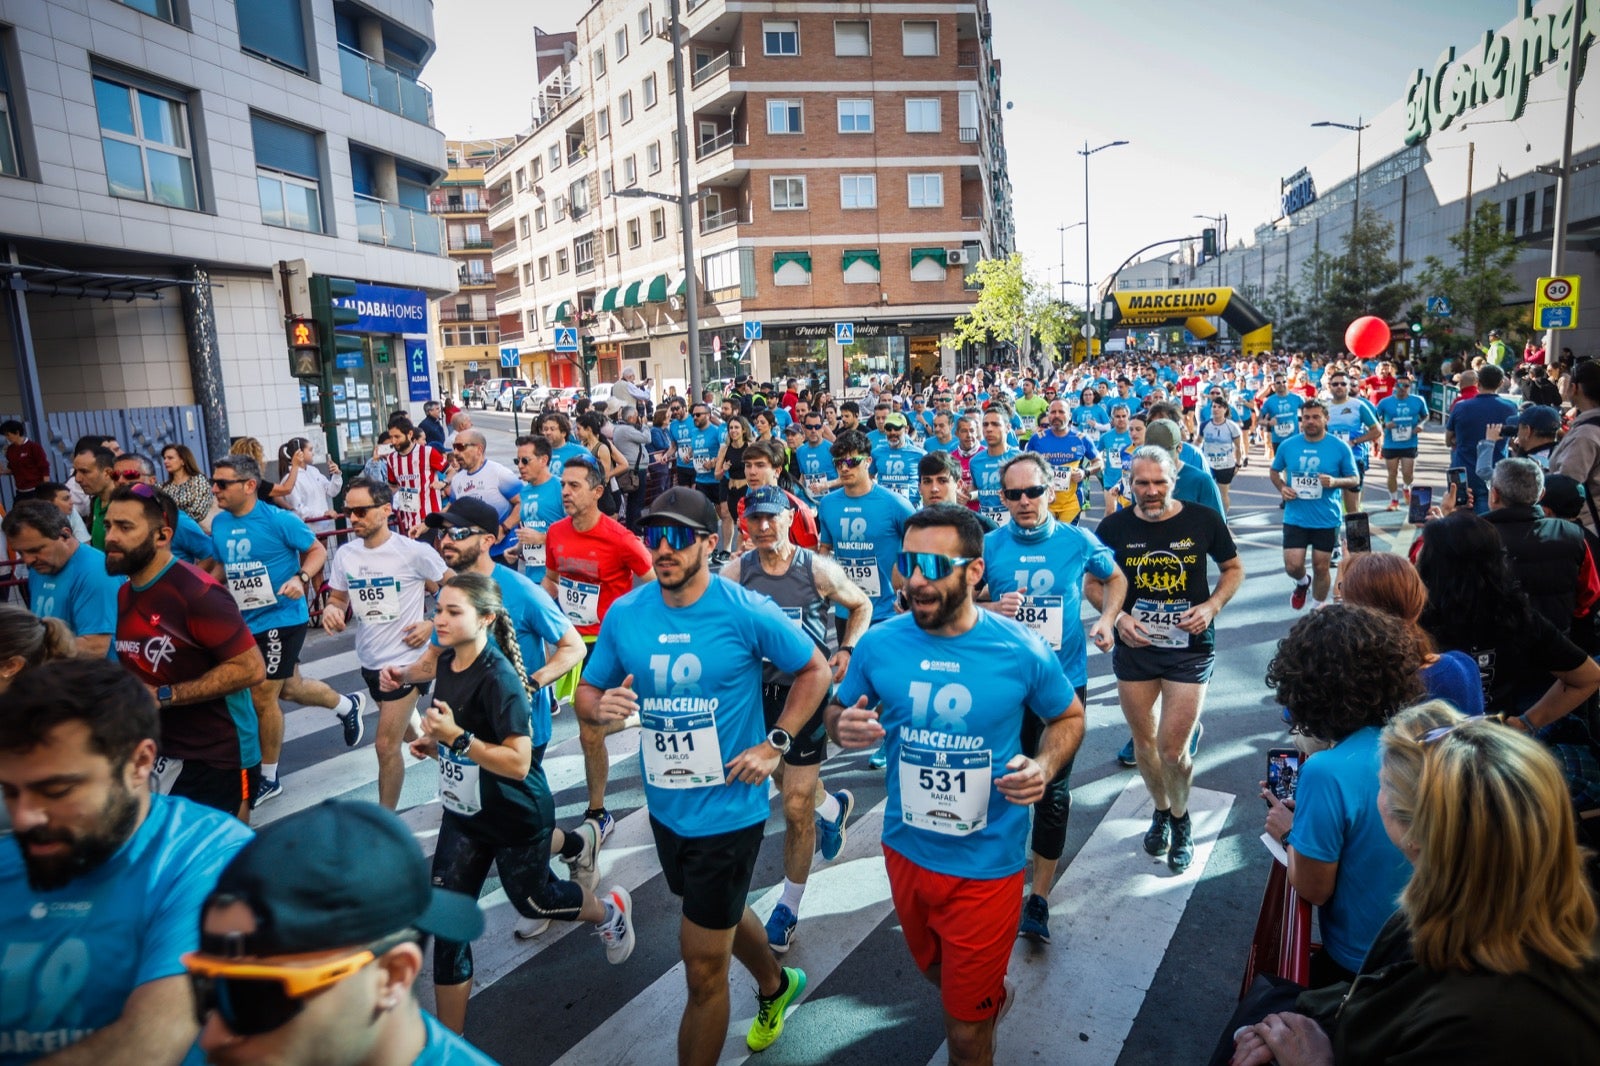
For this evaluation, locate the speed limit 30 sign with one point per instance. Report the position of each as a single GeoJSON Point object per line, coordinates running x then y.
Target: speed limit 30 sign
{"type": "Point", "coordinates": [1555, 303]}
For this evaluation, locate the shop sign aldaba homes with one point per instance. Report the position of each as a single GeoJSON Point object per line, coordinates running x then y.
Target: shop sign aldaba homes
{"type": "Point", "coordinates": [387, 310]}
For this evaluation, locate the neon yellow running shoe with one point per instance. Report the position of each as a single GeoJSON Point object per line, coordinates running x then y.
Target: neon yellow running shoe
{"type": "Point", "coordinates": [768, 1026]}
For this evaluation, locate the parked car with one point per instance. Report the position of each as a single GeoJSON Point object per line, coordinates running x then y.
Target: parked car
{"type": "Point", "coordinates": [533, 401]}
{"type": "Point", "coordinates": [601, 393]}
{"type": "Point", "coordinates": [562, 399]}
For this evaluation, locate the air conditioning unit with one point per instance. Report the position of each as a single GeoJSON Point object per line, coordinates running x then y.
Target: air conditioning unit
{"type": "Point", "coordinates": [664, 29]}
{"type": "Point", "coordinates": [957, 257]}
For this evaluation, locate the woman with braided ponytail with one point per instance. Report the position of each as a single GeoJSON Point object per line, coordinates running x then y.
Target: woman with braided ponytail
{"type": "Point", "coordinates": [497, 803]}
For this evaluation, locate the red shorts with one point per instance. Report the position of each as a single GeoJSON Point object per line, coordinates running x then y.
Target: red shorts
{"type": "Point", "coordinates": [965, 926]}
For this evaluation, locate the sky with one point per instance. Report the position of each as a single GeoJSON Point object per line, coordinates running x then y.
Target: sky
{"type": "Point", "coordinates": [1215, 98]}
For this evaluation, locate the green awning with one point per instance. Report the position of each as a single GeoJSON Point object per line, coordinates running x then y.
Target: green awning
{"type": "Point", "coordinates": [608, 302]}
{"type": "Point", "coordinates": [679, 287]}
{"type": "Point", "coordinates": [630, 295]}
{"type": "Point", "coordinates": [563, 311]}
{"type": "Point", "coordinates": [919, 254]}
{"type": "Point", "coordinates": [862, 255]}
{"type": "Point", "coordinates": [656, 293]}
{"type": "Point", "coordinates": [782, 259]}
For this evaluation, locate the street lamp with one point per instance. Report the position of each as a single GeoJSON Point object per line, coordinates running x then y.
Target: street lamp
{"type": "Point", "coordinates": [1355, 218]}
{"type": "Point", "coordinates": [691, 291]}
{"type": "Point", "coordinates": [1088, 274]}
{"type": "Point", "coordinates": [1222, 241]}
{"type": "Point", "coordinates": [1063, 231]}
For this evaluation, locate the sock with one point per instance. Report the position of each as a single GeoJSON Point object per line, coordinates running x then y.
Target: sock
{"type": "Point", "coordinates": [269, 771]}
{"type": "Point", "coordinates": [571, 846]}
{"type": "Point", "coordinates": [1317, 605]}
{"type": "Point", "coordinates": [355, 704]}
{"type": "Point", "coordinates": [611, 913]}
{"type": "Point", "coordinates": [828, 809]}
{"type": "Point", "coordinates": [792, 894]}
{"type": "Point", "coordinates": [783, 986]}
{"type": "Point", "coordinates": [594, 814]}
{"type": "Point", "coordinates": [1303, 582]}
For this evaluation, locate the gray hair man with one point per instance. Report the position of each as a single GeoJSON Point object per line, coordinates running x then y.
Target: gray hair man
{"type": "Point", "coordinates": [1549, 556]}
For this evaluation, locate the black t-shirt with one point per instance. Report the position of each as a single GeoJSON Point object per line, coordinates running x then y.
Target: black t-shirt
{"type": "Point", "coordinates": [1165, 563]}
{"type": "Point", "coordinates": [489, 702]}
{"type": "Point", "coordinates": [1517, 669]}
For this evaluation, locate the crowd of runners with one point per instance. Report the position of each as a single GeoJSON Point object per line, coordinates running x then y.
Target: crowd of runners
{"type": "Point", "coordinates": [758, 583]}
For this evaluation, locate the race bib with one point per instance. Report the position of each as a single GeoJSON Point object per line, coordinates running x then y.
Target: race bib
{"type": "Point", "coordinates": [1115, 459]}
{"type": "Point", "coordinates": [705, 464]}
{"type": "Point", "coordinates": [164, 774]}
{"type": "Point", "coordinates": [1042, 614]}
{"type": "Point", "coordinates": [817, 487]}
{"type": "Point", "coordinates": [794, 615]}
{"type": "Point", "coordinates": [680, 750]}
{"type": "Point", "coordinates": [1160, 621]}
{"type": "Point", "coordinates": [1306, 486]}
{"type": "Point", "coordinates": [1219, 454]}
{"type": "Point", "coordinates": [864, 572]}
{"type": "Point", "coordinates": [533, 554]}
{"type": "Point", "coordinates": [580, 601]}
{"type": "Point", "coordinates": [1061, 479]}
{"type": "Point", "coordinates": [375, 599]}
{"type": "Point", "coordinates": [1400, 434]}
{"type": "Point", "coordinates": [944, 791]}
{"type": "Point", "coordinates": [407, 501]}
{"type": "Point", "coordinates": [998, 515]}
{"type": "Point", "coordinates": [1280, 428]}
{"type": "Point", "coordinates": [458, 783]}
{"type": "Point", "coordinates": [250, 585]}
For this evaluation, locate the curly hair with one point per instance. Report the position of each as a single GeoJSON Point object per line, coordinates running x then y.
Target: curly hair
{"type": "Point", "coordinates": [1343, 668]}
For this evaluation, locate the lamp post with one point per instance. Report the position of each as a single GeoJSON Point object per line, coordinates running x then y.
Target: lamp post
{"type": "Point", "coordinates": [1355, 218]}
{"type": "Point", "coordinates": [1222, 242]}
{"type": "Point", "coordinates": [691, 291]}
{"type": "Point", "coordinates": [1088, 274]}
{"type": "Point", "coordinates": [1062, 229]}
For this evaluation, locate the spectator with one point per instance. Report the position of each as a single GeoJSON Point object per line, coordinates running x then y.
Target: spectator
{"type": "Point", "coordinates": [632, 439]}
{"type": "Point", "coordinates": [627, 393]}
{"type": "Point", "coordinates": [1548, 555]}
{"type": "Point", "coordinates": [1342, 672]}
{"type": "Point", "coordinates": [26, 461]}
{"type": "Point", "coordinates": [1578, 454]}
{"type": "Point", "coordinates": [432, 429]}
{"type": "Point", "coordinates": [1467, 424]}
{"type": "Point", "coordinates": [185, 486]}
{"type": "Point", "coordinates": [313, 492]}
{"type": "Point", "coordinates": [1565, 498]}
{"type": "Point", "coordinates": [1539, 389]}
{"type": "Point", "coordinates": [459, 424]}
{"type": "Point", "coordinates": [1531, 432]}
{"type": "Point", "coordinates": [266, 490]}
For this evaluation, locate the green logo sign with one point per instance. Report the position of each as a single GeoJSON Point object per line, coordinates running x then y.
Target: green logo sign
{"type": "Point", "coordinates": [1502, 66]}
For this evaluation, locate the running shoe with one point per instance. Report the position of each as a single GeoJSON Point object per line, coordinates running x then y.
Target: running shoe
{"type": "Point", "coordinates": [269, 789]}
{"type": "Point", "coordinates": [354, 727]}
{"type": "Point", "coordinates": [1126, 756]}
{"type": "Point", "coordinates": [603, 825]}
{"type": "Point", "coordinates": [1035, 924]}
{"type": "Point", "coordinates": [1181, 853]}
{"type": "Point", "coordinates": [617, 934]}
{"type": "Point", "coordinates": [528, 928]}
{"type": "Point", "coordinates": [1157, 840]}
{"type": "Point", "coordinates": [585, 869]}
{"type": "Point", "coordinates": [1194, 738]}
{"type": "Point", "coordinates": [1297, 598]}
{"type": "Point", "coordinates": [831, 835]}
{"type": "Point", "coordinates": [780, 928]}
{"type": "Point", "coordinates": [768, 1026]}
{"type": "Point", "coordinates": [880, 758]}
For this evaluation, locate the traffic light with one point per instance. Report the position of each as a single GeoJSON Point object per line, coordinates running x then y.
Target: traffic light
{"type": "Point", "coordinates": [338, 349]}
{"type": "Point", "coordinates": [591, 354]}
{"type": "Point", "coordinates": [1416, 327]}
{"type": "Point", "coordinates": [305, 349]}
{"type": "Point", "coordinates": [1208, 243]}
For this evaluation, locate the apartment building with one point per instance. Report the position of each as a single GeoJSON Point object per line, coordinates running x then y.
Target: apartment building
{"type": "Point", "coordinates": [160, 158]}
{"type": "Point", "coordinates": [846, 166]}
{"type": "Point", "coordinates": [466, 329]}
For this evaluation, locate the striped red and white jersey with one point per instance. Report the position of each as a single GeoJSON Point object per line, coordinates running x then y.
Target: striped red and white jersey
{"type": "Point", "coordinates": [415, 480]}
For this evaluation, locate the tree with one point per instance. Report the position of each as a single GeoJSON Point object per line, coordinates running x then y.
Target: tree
{"type": "Point", "coordinates": [1284, 309]}
{"type": "Point", "coordinates": [1478, 286]}
{"type": "Point", "coordinates": [1363, 279]}
{"type": "Point", "coordinates": [1011, 307]}
{"type": "Point", "coordinates": [1056, 324]}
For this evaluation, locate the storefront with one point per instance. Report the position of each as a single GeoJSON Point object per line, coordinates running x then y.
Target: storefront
{"type": "Point", "coordinates": [364, 387]}
{"type": "Point", "coordinates": [890, 349]}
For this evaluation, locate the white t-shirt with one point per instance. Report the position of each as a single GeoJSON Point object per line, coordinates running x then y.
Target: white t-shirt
{"type": "Point", "coordinates": [1216, 443]}
{"type": "Point", "coordinates": [312, 496]}
{"type": "Point", "coordinates": [385, 585]}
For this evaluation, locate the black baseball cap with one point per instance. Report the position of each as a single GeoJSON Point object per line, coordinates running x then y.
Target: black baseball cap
{"type": "Point", "coordinates": [680, 506]}
{"type": "Point", "coordinates": [339, 874]}
{"type": "Point", "coordinates": [468, 512]}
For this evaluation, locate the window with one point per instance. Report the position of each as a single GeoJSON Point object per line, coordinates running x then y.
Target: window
{"type": "Point", "coordinates": [273, 30]}
{"type": "Point", "coordinates": [644, 23]}
{"type": "Point", "coordinates": [161, 9]}
{"type": "Point", "coordinates": [536, 168]}
{"type": "Point", "coordinates": [524, 228]}
{"type": "Point", "coordinates": [630, 172]}
{"type": "Point", "coordinates": [602, 122]}
{"type": "Point", "coordinates": [1527, 212]}
{"type": "Point", "coordinates": [647, 92]}
{"type": "Point", "coordinates": [784, 116]}
{"type": "Point", "coordinates": [925, 190]}
{"type": "Point", "coordinates": [928, 264]}
{"type": "Point", "coordinates": [578, 197]}
{"type": "Point", "coordinates": [1547, 209]}
{"type": "Point", "coordinates": [544, 267]}
{"type": "Point", "coordinates": [8, 129]}
{"type": "Point", "coordinates": [288, 175]}
{"type": "Point", "coordinates": [555, 157]}
{"type": "Point", "coordinates": [634, 240]}
{"type": "Point", "coordinates": [858, 190]}
{"type": "Point", "coordinates": [562, 262]}
{"type": "Point", "coordinates": [791, 268]}
{"type": "Point", "coordinates": [658, 223]}
{"type": "Point", "coordinates": [652, 157]}
{"type": "Point", "coordinates": [789, 194]}
{"type": "Point", "coordinates": [922, 116]}
{"type": "Point", "coordinates": [527, 273]}
{"type": "Point", "coordinates": [541, 219]}
{"type": "Point", "coordinates": [608, 182]}
{"type": "Point", "coordinates": [611, 241]}
{"type": "Point", "coordinates": [1511, 215]}
{"type": "Point", "coordinates": [855, 116]}
{"type": "Point", "coordinates": [625, 108]}
{"type": "Point", "coordinates": [920, 38]}
{"type": "Point", "coordinates": [598, 65]}
{"type": "Point", "coordinates": [522, 180]}
{"type": "Point", "coordinates": [561, 208]}
{"type": "Point", "coordinates": [583, 253]}
{"type": "Point", "coordinates": [852, 39]}
{"type": "Point", "coordinates": [621, 44]}
{"type": "Point", "coordinates": [144, 136]}
{"type": "Point", "coordinates": [721, 270]}
{"type": "Point", "coordinates": [780, 38]}
{"type": "Point", "coordinates": [862, 266]}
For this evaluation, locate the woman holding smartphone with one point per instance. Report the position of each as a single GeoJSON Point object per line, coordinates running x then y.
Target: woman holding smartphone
{"type": "Point", "coordinates": [497, 803]}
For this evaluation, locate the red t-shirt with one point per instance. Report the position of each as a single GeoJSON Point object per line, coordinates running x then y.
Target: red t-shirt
{"type": "Point", "coordinates": [28, 464]}
{"type": "Point", "coordinates": [414, 473]}
{"type": "Point", "coordinates": [1379, 386]}
{"type": "Point", "coordinates": [1189, 389]}
{"type": "Point", "coordinates": [590, 569]}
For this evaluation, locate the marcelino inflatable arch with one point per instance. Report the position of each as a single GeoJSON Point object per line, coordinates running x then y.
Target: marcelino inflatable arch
{"type": "Point", "coordinates": [1192, 309]}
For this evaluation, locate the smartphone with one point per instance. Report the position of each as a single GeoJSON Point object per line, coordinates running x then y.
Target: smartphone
{"type": "Point", "coordinates": [1357, 532]}
{"type": "Point", "coordinates": [1283, 772]}
{"type": "Point", "coordinates": [1458, 478]}
{"type": "Point", "coordinates": [1421, 502]}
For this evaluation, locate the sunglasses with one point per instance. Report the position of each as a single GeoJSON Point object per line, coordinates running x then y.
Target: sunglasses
{"type": "Point", "coordinates": [253, 999]}
{"type": "Point", "coordinates": [523, 462]}
{"type": "Point", "coordinates": [852, 462]}
{"type": "Point", "coordinates": [126, 475]}
{"type": "Point", "coordinates": [461, 447]}
{"type": "Point", "coordinates": [813, 425]}
{"type": "Point", "coordinates": [223, 482]}
{"type": "Point", "coordinates": [460, 533]}
{"type": "Point", "coordinates": [362, 512]}
{"type": "Point", "coordinates": [675, 537]}
{"type": "Point", "coordinates": [934, 567]}
{"type": "Point", "coordinates": [1032, 492]}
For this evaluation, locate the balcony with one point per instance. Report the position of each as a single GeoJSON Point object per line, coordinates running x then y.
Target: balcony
{"type": "Point", "coordinates": [464, 314]}
{"type": "Point", "coordinates": [457, 207]}
{"type": "Point", "coordinates": [511, 292]}
{"type": "Point", "coordinates": [469, 280]}
{"type": "Point", "coordinates": [723, 62]}
{"type": "Point", "coordinates": [726, 139]}
{"type": "Point", "coordinates": [483, 244]}
{"type": "Point", "coordinates": [397, 226]}
{"type": "Point", "coordinates": [969, 134]}
{"type": "Point", "coordinates": [367, 79]}
{"type": "Point", "coordinates": [723, 219]}
{"type": "Point", "coordinates": [508, 336]}
{"type": "Point", "coordinates": [967, 54]}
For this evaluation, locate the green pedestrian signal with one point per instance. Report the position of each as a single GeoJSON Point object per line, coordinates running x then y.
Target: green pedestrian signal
{"type": "Point", "coordinates": [1416, 327]}
{"type": "Point", "coordinates": [1208, 243]}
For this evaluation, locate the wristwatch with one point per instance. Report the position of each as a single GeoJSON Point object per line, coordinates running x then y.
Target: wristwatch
{"type": "Point", "coordinates": [534, 685]}
{"type": "Point", "coordinates": [164, 695]}
{"type": "Point", "coordinates": [460, 744]}
{"type": "Point", "coordinates": [305, 578]}
{"type": "Point", "coordinates": [780, 740]}
{"type": "Point", "coordinates": [851, 648]}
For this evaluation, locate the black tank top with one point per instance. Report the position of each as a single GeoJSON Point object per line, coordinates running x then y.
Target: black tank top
{"type": "Point", "coordinates": [735, 459]}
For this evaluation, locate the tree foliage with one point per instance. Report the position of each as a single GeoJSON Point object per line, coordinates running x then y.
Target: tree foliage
{"type": "Point", "coordinates": [1012, 307]}
{"type": "Point", "coordinates": [1362, 279]}
{"type": "Point", "coordinates": [1478, 285]}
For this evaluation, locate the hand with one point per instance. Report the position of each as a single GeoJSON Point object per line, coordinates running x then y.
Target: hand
{"type": "Point", "coordinates": [1325, 480]}
{"type": "Point", "coordinates": [840, 664]}
{"type": "Point", "coordinates": [417, 633]}
{"type": "Point", "coordinates": [424, 748]}
{"type": "Point", "coordinates": [1280, 815]}
{"type": "Point", "coordinates": [1101, 634]}
{"type": "Point", "coordinates": [857, 726]}
{"type": "Point", "coordinates": [1195, 620]}
{"type": "Point", "coordinates": [529, 537]}
{"type": "Point", "coordinates": [417, 531]}
{"type": "Point", "coordinates": [333, 468]}
{"type": "Point", "coordinates": [439, 722]}
{"type": "Point", "coordinates": [391, 678]}
{"type": "Point", "coordinates": [1133, 634]}
{"type": "Point", "coordinates": [1076, 475]}
{"type": "Point", "coordinates": [1010, 603]}
{"type": "Point", "coordinates": [1287, 493]}
{"type": "Point", "coordinates": [293, 589]}
{"type": "Point", "coordinates": [333, 618]}
{"type": "Point", "coordinates": [753, 765]}
{"type": "Point", "coordinates": [1295, 1040]}
{"type": "Point", "coordinates": [1249, 1049]}
{"type": "Point", "coordinates": [1492, 432]}
{"type": "Point", "coordinates": [1026, 782]}
{"type": "Point", "coordinates": [618, 703]}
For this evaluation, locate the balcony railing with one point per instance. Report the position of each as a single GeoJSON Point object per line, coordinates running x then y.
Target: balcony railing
{"type": "Point", "coordinates": [465, 314]}
{"type": "Point", "coordinates": [721, 63]}
{"type": "Point", "coordinates": [477, 245]}
{"type": "Point", "coordinates": [503, 249]}
{"type": "Point", "coordinates": [510, 335]}
{"type": "Point", "coordinates": [398, 226]}
{"type": "Point", "coordinates": [725, 139]}
{"type": "Point", "coordinates": [723, 219]}
{"type": "Point", "coordinates": [367, 79]}
{"type": "Point", "coordinates": [510, 293]}
{"type": "Point", "coordinates": [476, 279]}
{"type": "Point", "coordinates": [457, 207]}
{"type": "Point", "coordinates": [966, 55]}
{"type": "Point", "coordinates": [969, 134]}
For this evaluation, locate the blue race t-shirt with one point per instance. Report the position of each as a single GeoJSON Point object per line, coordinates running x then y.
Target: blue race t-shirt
{"type": "Point", "coordinates": [538, 621]}
{"type": "Point", "coordinates": [1336, 820]}
{"type": "Point", "coordinates": [816, 467]}
{"type": "Point", "coordinates": [1046, 565]}
{"type": "Point", "coordinates": [1112, 444]}
{"type": "Point", "coordinates": [445, 1048]}
{"type": "Point", "coordinates": [191, 543]}
{"type": "Point", "coordinates": [1402, 421]}
{"type": "Point", "coordinates": [897, 470]}
{"type": "Point", "coordinates": [260, 550]}
{"type": "Point", "coordinates": [985, 471]}
{"type": "Point", "coordinates": [697, 672]}
{"type": "Point", "coordinates": [952, 710]}
{"type": "Point", "coordinates": [540, 508]}
{"type": "Point", "coordinates": [1301, 463]}
{"type": "Point", "coordinates": [1352, 419]}
{"type": "Point", "coordinates": [74, 955]}
{"type": "Point", "coordinates": [706, 444]}
{"type": "Point", "coordinates": [864, 534]}
{"type": "Point", "coordinates": [934, 444]}
{"type": "Point", "coordinates": [82, 595]}
{"type": "Point", "coordinates": [561, 454]}
{"type": "Point", "coordinates": [1284, 411]}
{"type": "Point", "coordinates": [682, 430]}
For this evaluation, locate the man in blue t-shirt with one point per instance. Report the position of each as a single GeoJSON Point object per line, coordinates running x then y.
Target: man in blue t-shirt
{"type": "Point", "coordinates": [1280, 412]}
{"type": "Point", "coordinates": [1354, 421]}
{"type": "Point", "coordinates": [539, 503]}
{"type": "Point", "coordinates": [681, 428]}
{"type": "Point", "coordinates": [895, 460]}
{"type": "Point", "coordinates": [100, 889]}
{"type": "Point", "coordinates": [949, 687]}
{"type": "Point", "coordinates": [685, 654]}
{"type": "Point", "coordinates": [66, 579]}
{"type": "Point", "coordinates": [1304, 468]}
{"type": "Point", "coordinates": [860, 524]}
{"type": "Point", "coordinates": [1403, 415]}
{"type": "Point", "coordinates": [815, 458]}
{"type": "Point", "coordinates": [984, 467]}
{"type": "Point", "coordinates": [1468, 424]}
{"type": "Point", "coordinates": [705, 442]}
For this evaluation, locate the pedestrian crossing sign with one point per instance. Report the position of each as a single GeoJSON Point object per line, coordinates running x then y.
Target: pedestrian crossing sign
{"type": "Point", "coordinates": [566, 338]}
{"type": "Point", "coordinates": [844, 332]}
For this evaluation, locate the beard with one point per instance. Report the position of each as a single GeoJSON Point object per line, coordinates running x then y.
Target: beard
{"type": "Point", "coordinates": [116, 823]}
{"type": "Point", "coordinates": [134, 559]}
{"type": "Point", "coordinates": [689, 572]}
{"type": "Point", "coordinates": [942, 613]}
{"type": "Point", "coordinates": [466, 556]}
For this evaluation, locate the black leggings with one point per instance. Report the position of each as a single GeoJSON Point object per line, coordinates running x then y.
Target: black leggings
{"type": "Point", "coordinates": [1050, 811]}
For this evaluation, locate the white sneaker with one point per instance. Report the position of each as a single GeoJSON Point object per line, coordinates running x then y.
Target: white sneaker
{"type": "Point", "coordinates": [617, 934]}
{"type": "Point", "coordinates": [528, 928]}
{"type": "Point", "coordinates": [585, 869]}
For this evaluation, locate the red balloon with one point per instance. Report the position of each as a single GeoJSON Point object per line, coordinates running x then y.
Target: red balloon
{"type": "Point", "coordinates": [1367, 336]}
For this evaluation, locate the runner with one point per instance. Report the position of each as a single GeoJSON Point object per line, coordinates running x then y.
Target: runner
{"type": "Point", "coordinates": [1112, 445]}
{"type": "Point", "coordinates": [1304, 467]}
{"type": "Point", "coordinates": [947, 688]}
{"type": "Point", "coordinates": [557, 429]}
{"type": "Point", "coordinates": [539, 503]}
{"type": "Point", "coordinates": [681, 428]}
{"type": "Point", "coordinates": [985, 467]}
{"type": "Point", "coordinates": [380, 580]}
{"type": "Point", "coordinates": [91, 471]}
{"type": "Point", "coordinates": [895, 460]}
{"type": "Point", "coordinates": [802, 583]}
{"type": "Point", "coordinates": [967, 433]}
{"type": "Point", "coordinates": [180, 633]}
{"type": "Point", "coordinates": [762, 461]}
{"type": "Point", "coordinates": [497, 804]}
{"type": "Point", "coordinates": [1403, 416]}
{"type": "Point", "coordinates": [1354, 421]}
{"type": "Point", "coordinates": [416, 470]}
{"type": "Point", "coordinates": [1280, 413]}
{"type": "Point", "coordinates": [1036, 567]}
{"type": "Point", "coordinates": [939, 480]}
{"type": "Point", "coordinates": [1030, 405]}
{"type": "Point", "coordinates": [101, 882]}
{"type": "Point", "coordinates": [268, 557]}
{"type": "Point", "coordinates": [815, 459]}
{"type": "Point", "coordinates": [1072, 457]}
{"type": "Point", "coordinates": [1222, 443]}
{"type": "Point", "coordinates": [1166, 635]}
{"type": "Point", "coordinates": [475, 475]}
{"type": "Point", "coordinates": [705, 753]}
{"type": "Point", "coordinates": [66, 579]}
